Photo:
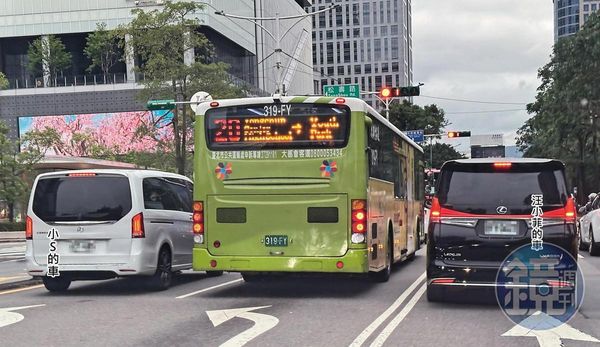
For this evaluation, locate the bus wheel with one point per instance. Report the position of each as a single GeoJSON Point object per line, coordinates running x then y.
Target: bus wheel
{"type": "Point", "coordinates": [384, 275]}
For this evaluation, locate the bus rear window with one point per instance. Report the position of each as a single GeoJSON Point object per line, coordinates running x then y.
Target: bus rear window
{"type": "Point", "coordinates": [273, 126]}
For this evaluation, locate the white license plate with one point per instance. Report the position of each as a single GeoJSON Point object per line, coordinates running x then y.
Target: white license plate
{"type": "Point", "coordinates": [82, 246]}
{"type": "Point", "coordinates": [501, 227]}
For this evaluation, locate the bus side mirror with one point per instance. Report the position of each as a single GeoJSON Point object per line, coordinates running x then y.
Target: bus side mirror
{"type": "Point", "coordinates": [368, 121]}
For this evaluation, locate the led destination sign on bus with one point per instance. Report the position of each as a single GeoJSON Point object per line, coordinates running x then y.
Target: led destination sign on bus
{"type": "Point", "coordinates": [278, 126]}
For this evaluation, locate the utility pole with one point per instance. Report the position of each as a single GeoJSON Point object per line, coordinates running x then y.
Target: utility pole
{"type": "Point", "coordinates": [277, 36]}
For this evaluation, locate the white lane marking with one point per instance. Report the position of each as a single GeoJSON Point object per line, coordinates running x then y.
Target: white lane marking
{"type": "Point", "coordinates": [7, 317]}
{"type": "Point", "coordinates": [5, 279]}
{"type": "Point", "coordinates": [209, 288]}
{"type": "Point", "coordinates": [360, 339]}
{"type": "Point", "coordinates": [548, 331]}
{"type": "Point", "coordinates": [12, 260]}
{"type": "Point", "coordinates": [262, 323]}
{"type": "Point", "coordinates": [387, 331]}
{"type": "Point", "coordinates": [580, 256]}
{"type": "Point", "coordinates": [21, 289]}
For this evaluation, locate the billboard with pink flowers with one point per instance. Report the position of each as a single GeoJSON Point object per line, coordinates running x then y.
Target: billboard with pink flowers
{"type": "Point", "coordinates": [120, 133]}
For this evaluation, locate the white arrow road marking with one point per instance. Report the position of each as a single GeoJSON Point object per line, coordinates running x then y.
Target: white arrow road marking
{"type": "Point", "coordinates": [580, 256]}
{"type": "Point", "coordinates": [548, 337]}
{"type": "Point", "coordinates": [387, 331]}
{"type": "Point", "coordinates": [7, 317]}
{"type": "Point", "coordinates": [262, 323]}
{"type": "Point", "coordinates": [360, 339]}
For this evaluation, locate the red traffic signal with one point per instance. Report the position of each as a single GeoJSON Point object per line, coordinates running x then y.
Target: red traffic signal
{"type": "Point", "coordinates": [394, 92]}
{"type": "Point", "coordinates": [453, 134]}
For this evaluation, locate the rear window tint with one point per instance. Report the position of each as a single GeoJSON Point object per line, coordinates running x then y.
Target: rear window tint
{"type": "Point", "coordinates": [98, 198]}
{"type": "Point", "coordinates": [480, 189]}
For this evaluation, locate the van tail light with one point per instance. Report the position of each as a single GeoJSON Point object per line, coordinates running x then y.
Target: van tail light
{"type": "Point", "coordinates": [435, 213]}
{"type": "Point", "coordinates": [137, 226]}
{"type": "Point", "coordinates": [570, 211]}
{"type": "Point", "coordinates": [198, 221]}
{"type": "Point", "coordinates": [359, 220]}
{"type": "Point", "coordinates": [28, 228]}
{"type": "Point", "coordinates": [503, 165]}
{"type": "Point", "coordinates": [443, 281]}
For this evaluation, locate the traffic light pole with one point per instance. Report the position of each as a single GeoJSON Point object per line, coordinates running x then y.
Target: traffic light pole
{"type": "Point", "coordinates": [277, 37]}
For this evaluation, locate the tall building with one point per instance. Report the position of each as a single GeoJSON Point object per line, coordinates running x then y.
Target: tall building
{"type": "Point", "coordinates": [239, 43]}
{"type": "Point", "coordinates": [571, 15]}
{"type": "Point", "coordinates": [363, 42]}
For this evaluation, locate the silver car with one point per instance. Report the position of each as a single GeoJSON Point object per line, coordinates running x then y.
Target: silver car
{"type": "Point", "coordinates": [99, 224]}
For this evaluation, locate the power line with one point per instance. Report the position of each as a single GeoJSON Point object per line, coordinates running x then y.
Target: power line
{"type": "Point", "coordinates": [490, 111]}
{"type": "Point", "coordinates": [474, 101]}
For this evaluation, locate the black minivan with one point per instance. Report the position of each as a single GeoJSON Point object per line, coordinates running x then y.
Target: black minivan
{"type": "Point", "coordinates": [481, 212]}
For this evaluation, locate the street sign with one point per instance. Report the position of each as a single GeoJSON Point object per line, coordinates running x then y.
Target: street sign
{"type": "Point", "coordinates": [416, 135]}
{"type": "Point", "coordinates": [346, 90]}
{"type": "Point", "coordinates": [154, 105]}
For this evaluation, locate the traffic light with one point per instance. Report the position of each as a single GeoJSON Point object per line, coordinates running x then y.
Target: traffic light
{"type": "Point", "coordinates": [394, 92]}
{"type": "Point", "coordinates": [453, 134]}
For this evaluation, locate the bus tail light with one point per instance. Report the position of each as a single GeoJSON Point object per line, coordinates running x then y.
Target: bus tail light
{"type": "Point", "coordinates": [137, 226]}
{"type": "Point", "coordinates": [28, 228]}
{"type": "Point", "coordinates": [198, 221]}
{"type": "Point", "coordinates": [435, 213]}
{"type": "Point", "coordinates": [359, 220]}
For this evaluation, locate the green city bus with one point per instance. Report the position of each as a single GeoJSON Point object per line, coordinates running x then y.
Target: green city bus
{"type": "Point", "coordinates": [303, 184]}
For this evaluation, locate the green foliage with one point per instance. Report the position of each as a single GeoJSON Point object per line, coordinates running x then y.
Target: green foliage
{"type": "Point", "coordinates": [14, 167]}
{"type": "Point", "coordinates": [50, 53]}
{"type": "Point", "coordinates": [103, 48]}
{"type": "Point", "coordinates": [442, 152]}
{"type": "Point", "coordinates": [567, 107]}
{"type": "Point", "coordinates": [3, 81]}
{"type": "Point", "coordinates": [407, 116]}
{"type": "Point", "coordinates": [161, 38]}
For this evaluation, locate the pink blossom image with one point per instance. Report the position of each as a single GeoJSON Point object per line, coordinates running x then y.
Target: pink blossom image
{"type": "Point", "coordinates": [123, 132]}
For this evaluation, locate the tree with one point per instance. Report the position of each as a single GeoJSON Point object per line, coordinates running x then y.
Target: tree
{"type": "Point", "coordinates": [14, 166]}
{"type": "Point", "coordinates": [408, 116]}
{"type": "Point", "coordinates": [103, 48]}
{"type": "Point", "coordinates": [161, 38]}
{"type": "Point", "coordinates": [567, 107]}
{"type": "Point", "coordinates": [48, 54]}
{"type": "Point", "coordinates": [442, 152]}
{"type": "Point", "coordinates": [3, 81]}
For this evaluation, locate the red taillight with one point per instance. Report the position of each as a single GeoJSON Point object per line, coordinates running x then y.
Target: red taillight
{"type": "Point", "coordinates": [560, 284]}
{"type": "Point", "coordinates": [28, 228]}
{"type": "Point", "coordinates": [214, 104]}
{"type": "Point", "coordinates": [435, 213]}
{"type": "Point", "coordinates": [570, 211]}
{"type": "Point", "coordinates": [137, 226]}
{"type": "Point", "coordinates": [502, 165]}
{"type": "Point", "coordinates": [443, 281]}
{"type": "Point", "coordinates": [359, 217]}
{"type": "Point", "coordinates": [198, 217]}
{"type": "Point", "coordinates": [81, 174]}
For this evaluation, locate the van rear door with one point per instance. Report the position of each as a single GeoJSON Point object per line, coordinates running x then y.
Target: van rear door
{"type": "Point", "coordinates": [486, 208]}
{"type": "Point", "coordinates": [89, 212]}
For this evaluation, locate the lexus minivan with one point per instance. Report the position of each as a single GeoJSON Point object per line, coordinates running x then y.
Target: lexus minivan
{"type": "Point", "coordinates": [109, 223]}
{"type": "Point", "coordinates": [481, 212]}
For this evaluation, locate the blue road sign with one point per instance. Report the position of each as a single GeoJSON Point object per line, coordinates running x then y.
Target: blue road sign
{"type": "Point", "coordinates": [416, 135]}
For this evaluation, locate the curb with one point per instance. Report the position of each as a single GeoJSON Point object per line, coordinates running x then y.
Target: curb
{"type": "Point", "coordinates": [20, 284]}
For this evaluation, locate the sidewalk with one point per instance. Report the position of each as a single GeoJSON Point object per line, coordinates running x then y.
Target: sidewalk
{"type": "Point", "coordinates": [12, 236]}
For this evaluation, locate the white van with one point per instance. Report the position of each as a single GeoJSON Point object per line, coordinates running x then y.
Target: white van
{"type": "Point", "coordinates": [109, 223]}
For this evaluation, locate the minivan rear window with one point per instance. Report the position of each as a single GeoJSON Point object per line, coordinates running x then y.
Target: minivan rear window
{"type": "Point", "coordinates": [479, 188]}
{"type": "Point", "coordinates": [69, 199]}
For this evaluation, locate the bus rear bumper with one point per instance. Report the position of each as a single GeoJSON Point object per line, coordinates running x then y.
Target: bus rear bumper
{"type": "Point", "coordinates": [354, 261]}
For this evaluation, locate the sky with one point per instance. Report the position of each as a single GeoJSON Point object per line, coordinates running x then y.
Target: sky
{"type": "Point", "coordinates": [481, 50]}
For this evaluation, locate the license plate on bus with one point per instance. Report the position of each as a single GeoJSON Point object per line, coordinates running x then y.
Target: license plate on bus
{"type": "Point", "coordinates": [501, 227]}
{"type": "Point", "coordinates": [276, 240]}
{"type": "Point", "coordinates": [82, 246]}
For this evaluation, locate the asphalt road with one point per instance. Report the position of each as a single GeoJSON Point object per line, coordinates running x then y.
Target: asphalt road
{"type": "Point", "coordinates": [303, 311]}
{"type": "Point", "coordinates": [12, 261]}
